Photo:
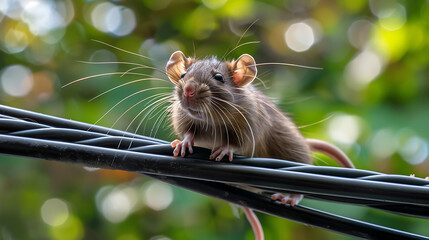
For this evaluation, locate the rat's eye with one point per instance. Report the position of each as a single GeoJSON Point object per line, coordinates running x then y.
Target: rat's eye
{"type": "Point", "coordinates": [219, 77]}
{"type": "Point", "coordinates": [182, 75]}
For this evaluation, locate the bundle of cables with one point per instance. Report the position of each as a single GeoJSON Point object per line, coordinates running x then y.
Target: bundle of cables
{"type": "Point", "coordinates": [36, 135]}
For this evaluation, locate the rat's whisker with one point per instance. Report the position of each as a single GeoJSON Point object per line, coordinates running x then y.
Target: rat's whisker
{"type": "Point", "coordinates": [152, 109]}
{"type": "Point", "coordinates": [318, 122]}
{"type": "Point", "coordinates": [126, 51]}
{"type": "Point", "coordinates": [241, 45]}
{"type": "Point", "coordinates": [258, 78]}
{"type": "Point", "coordinates": [234, 97]}
{"type": "Point", "coordinates": [214, 130]}
{"type": "Point", "coordinates": [226, 127]}
{"type": "Point", "coordinates": [233, 104]}
{"type": "Point", "coordinates": [239, 40]}
{"type": "Point", "coordinates": [120, 141]}
{"type": "Point", "coordinates": [207, 117]}
{"type": "Point", "coordinates": [247, 29]}
{"type": "Point", "coordinates": [237, 132]}
{"type": "Point", "coordinates": [149, 114]}
{"type": "Point", "coordinates": [245, 119]}
{"type": "Point", "coordinates": [155, 96]}
{"type": "Point", "coordinates": [141, 91]}
{"type": "Point", "coordinates": [216, 109]}
{"type": "Point", "coordinates": [125, 63]}
{"type": "Point", "coordinates": [103, 74]}
{"type": "Point", "coordinates": [132, 121]}
{"type": "Point", "coordinates": [160, 123]}
{"type": "Point", "coordinates": [286, 64]}
{"type": "Point", "coordinates": [161, 119]}
{"type": "Point", "coordinates": [131, 142]}
{"type": "Point", "coordinates": [144, 67]}
{"type": "Point", "coordinates": [127, 83]}
{"type": "Point", "coordinates": [204, 116]}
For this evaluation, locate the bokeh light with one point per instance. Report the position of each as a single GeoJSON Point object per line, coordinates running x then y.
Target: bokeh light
{"type": "Point", "coordinates": [44, 19]}
{"type": "Point", "coordinates": [391, 45]}
{"type": "Point", "coordinates": [41, 16]}
{"type": "Point", "coordinates": [110, 18]}
{"type": "Point", "coordinates": [359, 33]}
{"type": "Point", "coordinates": [11, 8]}
{"type": "Point", "coordinates": [383, 144]}
{"type": "Point", "coordinates": [344, 129]}
{"type": "Point", "coordinates": [394, 18]}
{"type": "Point", "coordinates": [299, 37]}
{"type": "Point", "coordinates": [415, 150]}
{"type": "Point", "coordinates": [71, 229]}
{"type": "Point", "coordinates": [363, 69]}
{"type": "Point", "coordinates": [16, 39]}
{"type": "Point", "coordinates": [200, 23]}
{"type": "Point", "coordinates": [54, 212]}
{"type": "Point", "coordinates": [158, 195]}
{"type": "Point", "coordinates": [16, 80]}
{"type": "Point", "coordinates": [391, 14]}
{"type": "Point", "coordinates": [116, 204]}
{"type": "Point", "coordinates": [4, 5]}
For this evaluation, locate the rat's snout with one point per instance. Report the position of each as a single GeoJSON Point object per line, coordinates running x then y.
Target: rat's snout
{"type": "Point", "coordinates": [189, 90]}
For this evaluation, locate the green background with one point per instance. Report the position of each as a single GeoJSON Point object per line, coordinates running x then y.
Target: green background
{"type": "Point", "coordinates": [370, 99]}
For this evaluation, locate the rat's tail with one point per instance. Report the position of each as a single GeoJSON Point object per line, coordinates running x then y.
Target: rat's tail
{"type": "Point", "coordinates": [316, 146]}
{"type": "Point", "coordinates": [254, 222]}
{"type": "Point", "coordinates": [331, 151]}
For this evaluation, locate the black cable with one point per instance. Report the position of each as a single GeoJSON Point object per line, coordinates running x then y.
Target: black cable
{"type": "Point", "coordinates": [80, 144]}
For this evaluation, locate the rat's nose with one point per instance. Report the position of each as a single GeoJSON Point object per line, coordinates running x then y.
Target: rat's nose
{"type": "Point", "coordinates": [189, 90]}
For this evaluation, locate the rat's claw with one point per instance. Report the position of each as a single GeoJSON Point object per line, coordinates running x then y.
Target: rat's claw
{"type": "Point", "coordinates": [180, 146]}
{"type": "Point", "coordinates": [186, 144]}
{"type": "Point", "coordinates": [177, 145]}
{"type": "Point", "coordinates": [219, 152]}
{"type": "Point", "coordinates": [175, 142]}
{"type": "Point", "coordinates": [292, 199]}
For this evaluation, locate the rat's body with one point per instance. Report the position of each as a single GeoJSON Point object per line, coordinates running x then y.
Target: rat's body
{"type": "Point", "coordinates": [216, 107]}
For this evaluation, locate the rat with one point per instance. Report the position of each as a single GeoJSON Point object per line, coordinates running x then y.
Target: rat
{"type": "Point", "coordinates": [216, 107]}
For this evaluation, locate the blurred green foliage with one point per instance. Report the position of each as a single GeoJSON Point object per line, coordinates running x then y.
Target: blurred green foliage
{"type": "Point", "coordinates": [371, 99]}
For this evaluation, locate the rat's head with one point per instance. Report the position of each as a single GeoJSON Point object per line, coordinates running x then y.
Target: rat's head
{"type": "Point", "coordinates": [205, 88]}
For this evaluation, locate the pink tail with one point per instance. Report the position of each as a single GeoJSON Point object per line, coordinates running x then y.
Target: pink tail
{"type": "Point", "coordinates": [331, 151]}
{"type": "Point", "coordinates": [254, 222]}
{"type": "Point", "coordinates": [316, 146]}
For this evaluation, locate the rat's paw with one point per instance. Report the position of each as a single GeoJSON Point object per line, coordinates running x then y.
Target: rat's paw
{"type": "Point", "coordinates": [292, 199]}
{"type": "Point", "coordinates": [219, 152]}
{"type": "Point", "coordinates": [180, 146]}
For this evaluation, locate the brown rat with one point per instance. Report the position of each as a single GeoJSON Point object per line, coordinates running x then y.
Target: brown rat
{"type": "Point", "coordinates": [217, 107]}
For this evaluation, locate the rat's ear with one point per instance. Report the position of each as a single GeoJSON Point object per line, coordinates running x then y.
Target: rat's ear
{"type": "Point", "coordinates": [177, 65]}
{"type": "Point", "coordinates": [244, 70]}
